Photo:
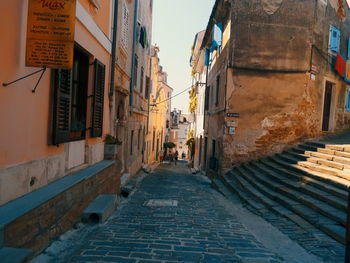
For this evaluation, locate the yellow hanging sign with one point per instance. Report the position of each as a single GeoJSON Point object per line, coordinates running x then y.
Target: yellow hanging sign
{"type": "Point", "coordinates": [50, 33]}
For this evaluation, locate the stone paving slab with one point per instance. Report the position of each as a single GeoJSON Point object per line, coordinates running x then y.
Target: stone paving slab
{"type": "Point", "coordinates": [198, 229]}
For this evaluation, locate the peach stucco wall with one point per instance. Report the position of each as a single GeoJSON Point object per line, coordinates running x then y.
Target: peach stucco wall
{"type": "Point", "coordinates": [24, 116]}
{"type": "Point", "coordinates": [101, 16]}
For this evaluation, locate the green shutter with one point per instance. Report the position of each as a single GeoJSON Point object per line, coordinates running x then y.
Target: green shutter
{"type": "Point", "coordinates": [97, 112]}
{"type": "Point", "coordinates": [347, 100]}
{"type": "Point", "coordinates": [62, 82]}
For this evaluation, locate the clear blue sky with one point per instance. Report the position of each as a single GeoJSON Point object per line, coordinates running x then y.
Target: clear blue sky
{"type": "Point", "coordinates": [175, 23]}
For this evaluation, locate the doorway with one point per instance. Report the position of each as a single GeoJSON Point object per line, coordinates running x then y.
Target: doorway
{"type": "Point", "coordinates": [327, 106]}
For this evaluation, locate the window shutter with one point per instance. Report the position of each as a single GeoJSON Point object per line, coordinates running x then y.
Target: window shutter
{"type": "Point", "coordinates": [62, 81]}
{"type": "Point", "coordinates": [347, 100]}
{"type": "Point", "coordinates": [148, 86]}
{"type": "Point", "coordinates": [348, 48]}
{"type": "Point", "coordinates": [125, 27]}
{"type": "Point", "coordinates": [217, 36]}
{"type": "Point", "coordinates": [207, 57]}
{"type": "Point", "coordinates": [334, 39]}
{"type": "Point", "coordinates": [207, 94]}
{"type": "Point", "coordinates": [99, 86]}
{"type": "Point", "coordinates": [136, 67]}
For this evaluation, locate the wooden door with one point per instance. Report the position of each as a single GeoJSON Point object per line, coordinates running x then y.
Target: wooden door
{"type": "Point", "coordinates": [327, 106]}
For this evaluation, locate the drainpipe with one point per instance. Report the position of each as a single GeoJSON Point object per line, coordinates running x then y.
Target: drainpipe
{"type": "Point", "coordinates": [114, 48]}
{"type": "Point", "coordinates": [132, 82]}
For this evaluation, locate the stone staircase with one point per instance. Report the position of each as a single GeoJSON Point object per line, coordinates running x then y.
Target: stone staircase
{"type": "Point", "coordinates": [307, 184]}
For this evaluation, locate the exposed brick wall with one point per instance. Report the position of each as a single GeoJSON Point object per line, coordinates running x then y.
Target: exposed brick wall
{"type": "Point", "coordinates": [37, 228]}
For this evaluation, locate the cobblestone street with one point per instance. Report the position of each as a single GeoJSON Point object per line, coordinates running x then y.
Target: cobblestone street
{"type": "Point", "coordinates": [173, 217]}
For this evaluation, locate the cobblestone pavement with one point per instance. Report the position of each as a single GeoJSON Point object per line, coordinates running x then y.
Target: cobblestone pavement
{"type": "Point", "coordinates": [198, 229]}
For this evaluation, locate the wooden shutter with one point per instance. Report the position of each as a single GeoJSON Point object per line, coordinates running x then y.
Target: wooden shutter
{"type": "Point", "coordinates": [62, 81]}
{"type": "Point", "coordinates": [207, 94]}
{"type": "Point", "coordinates": [148, 86]}
{"type": "Point", "coordinates": [334, 39]}
{"type": "Point", "coordinates": [125, 26]}
{"type": "Point", "coordinates": [348, 48]}
{"type": "Point", "coordinates": [97, 111]}
{"type": "Point", "coordinates": [347, 100]}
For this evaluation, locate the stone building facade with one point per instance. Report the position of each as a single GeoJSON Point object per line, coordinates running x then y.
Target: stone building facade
{"type": "Point", "coordinates": [199, 77]}
{"type": "Point", "coordinates": [133, 83]}
{"type": "Point", "coordinates": [159, 110]}
{"type": "Point", "coordinates": [52, 140]}
{"type": "Point", "coordinates": [272, 80]}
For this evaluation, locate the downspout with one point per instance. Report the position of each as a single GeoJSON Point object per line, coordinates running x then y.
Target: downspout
{"type": "Point", "coordinates": [114, 48]}
{"type": "Point", "coordinates": [132, 82]}
{"type": "Point", "coordinates": [149, 95]}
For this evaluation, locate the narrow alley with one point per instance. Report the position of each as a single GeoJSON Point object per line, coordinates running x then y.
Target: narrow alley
{"type": "Point", "coordinates": [99, 99]}
{"type": "Point", "coordinates": [175, 216]}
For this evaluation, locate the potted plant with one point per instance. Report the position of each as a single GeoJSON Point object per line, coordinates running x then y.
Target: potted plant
{"type": "Point", "coordinates": [111, 144]}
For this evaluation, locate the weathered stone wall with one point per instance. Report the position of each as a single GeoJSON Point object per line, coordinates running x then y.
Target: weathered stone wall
{"type": "Point", "coordinates": [214, 119]}
{"type": "Point", "coordinates": [37, 228]}
{"type": "Point", "coordinates": [276, 110]}
{"type": "Point", "coordinates": [270, 34]}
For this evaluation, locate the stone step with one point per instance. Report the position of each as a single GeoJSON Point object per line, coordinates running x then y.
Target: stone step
{"type": "Point", "coordinates": [323, 223]}
{"type": "Point", "coordinates": [324, 156]}
{"type": "Point", "coordinates": [14, 255]}
{"type": "Point", "coordinates": [316, 144]}
{"type": "Point", "coordinates": [314, 167]}
{"type": "Point", "coordinates": [335, 147]}
{"type": "Point", "coordinates": [100, 208]}
{"type": "Point", "coordinates": [299, 156]}
{"type": "Point", "coordinates": [320, 158]}
{"type": "Point", "coordinates": [308, 147]}
{"type": "Point", "coordinates": [300, 186]}
{"type": "Point", "coordinates": [247, 193]}
{"type": "Point", "coordinates": [342, 154]}
{"type": "Point", "coordinates": [326, 151]}
{"type": "Point", "coordinates": [228, 187]}
{"type": "Point", "coordinates": [335, 181]}
{"type": "Point", "coordinates": [298, 150]}
{"type": "Point", "coordinates": [309, 179]}
{"type": "Point", "coordinates": [294, 158]}
{"type": "Point", "coordinates": [326, 170]}
{"type": "Point", "coordinates": [316, 205]}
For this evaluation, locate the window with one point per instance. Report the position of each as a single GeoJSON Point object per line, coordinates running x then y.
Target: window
{"type": "Point", "coordinates": [139, 139]}
{"type": "Point", "coordinates": [217, 36]}
{"type": "Point", "coordinates": [69, 119]}
{"type": "Point", "coordinates": [153, 140]}
{"type": "Point", "coordinates": [348, 48]}
{"type": "Point", "coordinates": [213, 150]}
{"type": "Point", "coordinates": [125, 26]}
{"type": "Point", "coordinates": [136, 65]}
{"type": "Point", "coordinates": [207, 95]}
{"type": "Point", "coordinates": [334, 39]}
{"type": "Point", "coordinates": [99, 84]}
{"type": "Point", "coordinates": [217, 90]}
{"type": "Point", "coordinates": [148, 86]}
{"type": "Point", "coordinates": [131, 142]}
{"type": "Point", "coordinates": [141, 79]}
{"type": "Point", "coordinates": [207, 57]}
{"type": "Point", "coordinates": [347, 100]}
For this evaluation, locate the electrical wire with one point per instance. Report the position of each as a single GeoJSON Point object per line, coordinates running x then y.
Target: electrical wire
{"type": "Point", "coordinates": [154, 104]}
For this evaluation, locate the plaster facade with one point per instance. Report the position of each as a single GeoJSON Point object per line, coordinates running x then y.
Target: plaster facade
{"type": "Point", "coordinates": [159, 110]}
{"type": "Point", "coordinates": [28, 160]}
{"type": "Point", "coordinates": [267, 81]}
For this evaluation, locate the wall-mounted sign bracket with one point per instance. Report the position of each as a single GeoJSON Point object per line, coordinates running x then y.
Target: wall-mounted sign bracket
{"type": "Point", "coordinates": [26, 76]}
